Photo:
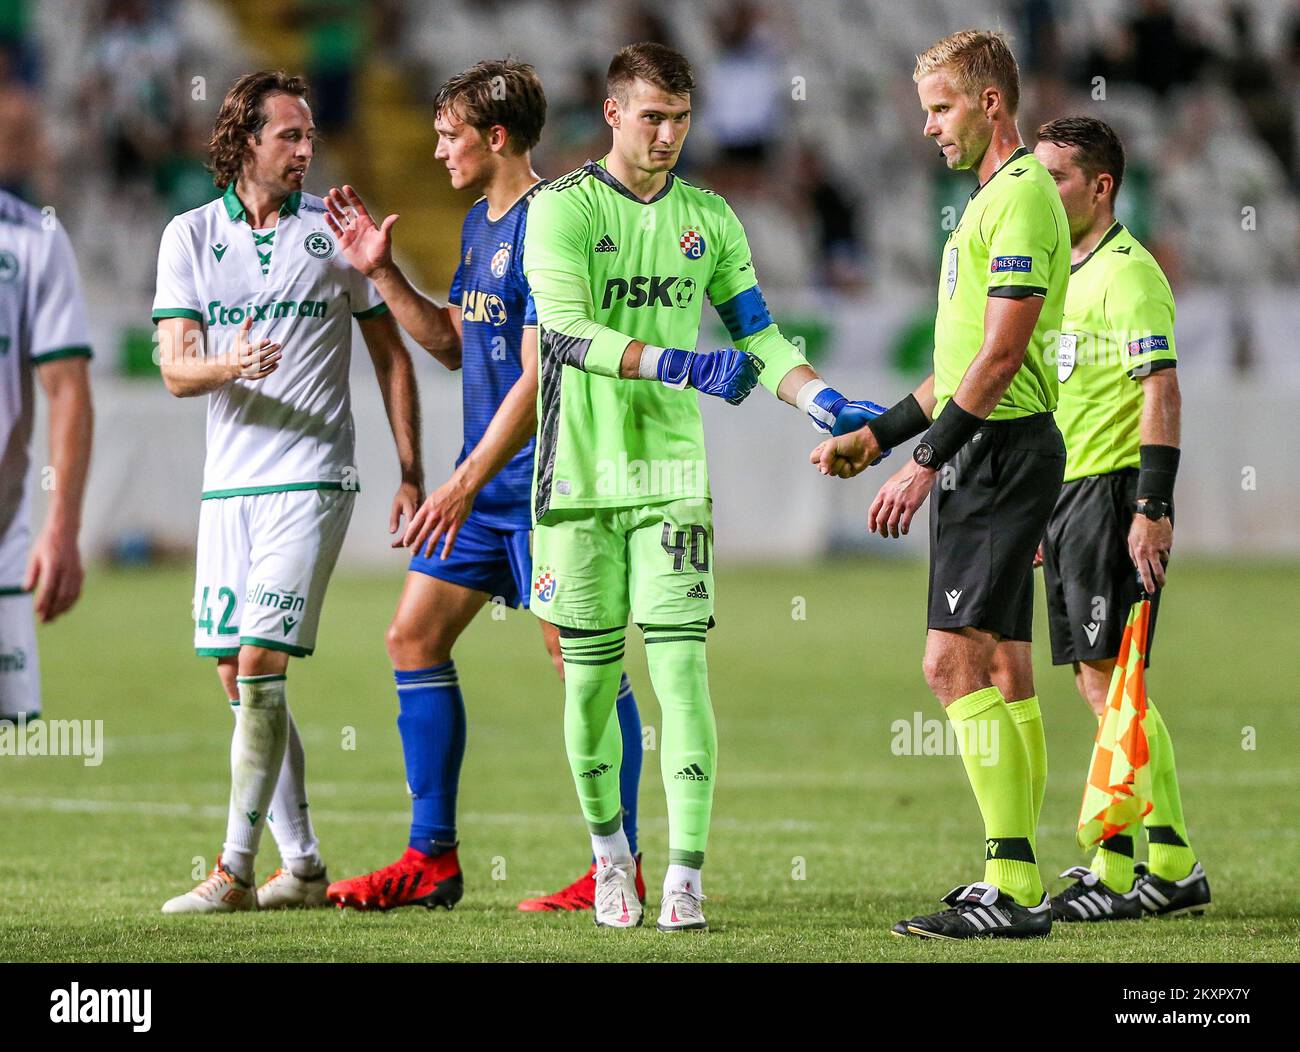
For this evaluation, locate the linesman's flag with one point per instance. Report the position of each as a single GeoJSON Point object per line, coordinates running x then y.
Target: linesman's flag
{"type": "Point", "coordinates": [1118, 793]}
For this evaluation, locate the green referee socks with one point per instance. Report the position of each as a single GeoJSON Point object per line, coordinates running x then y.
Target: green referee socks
{"type": "Point", "coordinates": [1169, 854]}
{"type": "Point", "coordinates": [1028, 718]}
{"type": "Point", "coordinates": [998, 768]}
{"type": "Point", "coordinates": [593, 668]}
{"type": "Point", "coordinates": [688, 746]}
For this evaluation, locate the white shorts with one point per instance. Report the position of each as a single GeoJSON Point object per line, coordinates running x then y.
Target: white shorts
{"type": "Point", "coordinates": [15, 540]}
{"type": "Point", "coordinates": [20, 679]}
{"type": "Point", "coordinates": [264, 562]}
{"type": "Point", "coordinates": [20, 672]}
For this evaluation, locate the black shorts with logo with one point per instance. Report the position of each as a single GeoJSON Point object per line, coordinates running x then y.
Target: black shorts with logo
{"type": "Point", "coordinates": [1091, 581]}
{"type": "Point", "coordinates": [989, 509]}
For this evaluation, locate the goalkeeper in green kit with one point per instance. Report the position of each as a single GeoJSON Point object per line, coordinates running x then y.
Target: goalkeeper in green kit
{"type": "Point", "coordinates": [619, 256]}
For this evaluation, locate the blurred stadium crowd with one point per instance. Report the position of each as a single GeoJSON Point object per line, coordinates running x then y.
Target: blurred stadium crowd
{"type": "Point", "coordinates": [806, 117]}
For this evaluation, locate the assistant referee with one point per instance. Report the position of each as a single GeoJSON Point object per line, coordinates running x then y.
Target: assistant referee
{"type": "Point", "coordinates": [1120, 414]}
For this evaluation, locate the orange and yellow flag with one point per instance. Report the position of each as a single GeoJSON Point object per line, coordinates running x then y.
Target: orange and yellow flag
{"type": "Point", "coordinates": [1118, 793]}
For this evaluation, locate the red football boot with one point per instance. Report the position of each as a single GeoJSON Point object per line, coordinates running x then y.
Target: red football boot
{"type": "Point", "coordinates": [580, 895]}
{"type": "Point", "coordinates": [415, 879]}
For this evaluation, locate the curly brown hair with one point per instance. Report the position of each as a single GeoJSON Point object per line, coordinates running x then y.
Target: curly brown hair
{"type": "Point", "coordinates": [243, 114]}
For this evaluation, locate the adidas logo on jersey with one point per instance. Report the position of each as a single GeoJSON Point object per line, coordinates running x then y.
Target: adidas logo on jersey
{"type": "Point", "coordinates": [596, 771]}
{"type": "Point", "coordinates": [606, 244]}
{"type": "Point", "coordinates": [698, 591]}
{"type": "Point", "coordinates": [693, 773]}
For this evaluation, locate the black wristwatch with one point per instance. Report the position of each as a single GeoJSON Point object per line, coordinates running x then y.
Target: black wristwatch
{"type": "Point", "coordinates": [1153, 508]}
{"type": "Point", "coordinates": [923, 454]}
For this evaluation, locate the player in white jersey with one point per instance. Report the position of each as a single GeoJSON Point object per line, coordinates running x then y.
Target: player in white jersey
{"type": "Point", "coordinates": [254, 307]}
{"type": "Point", "coordinates": [42, 336]}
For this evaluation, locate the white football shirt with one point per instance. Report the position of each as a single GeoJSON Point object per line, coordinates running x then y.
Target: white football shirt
{"type": "Point", "coordinates": [292, 429]}
{"type": "Point", "coordinates": [42, 319]}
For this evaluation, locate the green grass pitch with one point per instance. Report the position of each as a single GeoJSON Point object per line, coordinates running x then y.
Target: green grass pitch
{"type": "Point", "coordinates": [822, 837]}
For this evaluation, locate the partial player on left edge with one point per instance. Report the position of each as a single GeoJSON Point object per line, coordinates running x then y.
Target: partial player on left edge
{"type": "Point", "coordinates": [42, 334]}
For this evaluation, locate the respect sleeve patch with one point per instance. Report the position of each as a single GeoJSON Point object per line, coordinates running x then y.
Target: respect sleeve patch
{"type": "Point", "coordinates": [1148, 344]}
{"type": "Point", "coordinates": [1011, 265]}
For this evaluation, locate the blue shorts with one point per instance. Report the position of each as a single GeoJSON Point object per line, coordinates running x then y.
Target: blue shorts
{"type": "Point", "coordinates": [486, 559]}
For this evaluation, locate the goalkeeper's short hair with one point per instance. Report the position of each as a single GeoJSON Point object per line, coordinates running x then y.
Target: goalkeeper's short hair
{"type": "Point", "coordinates": [658, 64]}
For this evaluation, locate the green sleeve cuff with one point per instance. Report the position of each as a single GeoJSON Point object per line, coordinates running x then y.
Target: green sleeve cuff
{"type": "Point", "coordinates": [80, 350]}
{"type": "Point", "coordinates": [176, 312]}
{"type": "Point", "coordinates": [605, 355]}
{"type": "Point", "coordinates": [371, 312]}
{"type": "Point", "coordinates": [779, 355]}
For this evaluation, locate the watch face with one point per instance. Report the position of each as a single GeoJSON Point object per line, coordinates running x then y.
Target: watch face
{"type": "Point", "coordinates": [923, 454]}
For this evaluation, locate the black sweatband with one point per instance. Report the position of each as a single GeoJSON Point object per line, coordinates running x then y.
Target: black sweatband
{"type": "Point", "coordinates": [1157, 473]}
{"type": "Point", "coordinates": [898, 423]}
{"type": "Point", "coordinates": [951, 430]}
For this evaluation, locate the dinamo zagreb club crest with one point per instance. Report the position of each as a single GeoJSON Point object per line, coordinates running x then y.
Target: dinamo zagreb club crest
{"type": "Point", "coordinates": [544, 585]}
{"type": "Point", "coordinates": [691, 243]}
{"type": "Point", "coordinates": [500, 261]}
{"type": "Point", "coordinates": [319, 244]}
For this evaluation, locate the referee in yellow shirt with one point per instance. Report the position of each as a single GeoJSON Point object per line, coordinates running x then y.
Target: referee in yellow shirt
{"type": "Point", "coordinates": [1118, 412]}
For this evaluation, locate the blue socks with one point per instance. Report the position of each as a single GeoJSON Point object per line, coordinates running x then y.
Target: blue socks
{"type": "Point", "coordinates": [629, 775]}
{"type": "Point", "coordinates": [431, 721]}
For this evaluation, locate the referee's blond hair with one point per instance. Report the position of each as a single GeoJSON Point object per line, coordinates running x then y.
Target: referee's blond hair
{"type": "Point", "coordinates": [977, 59]}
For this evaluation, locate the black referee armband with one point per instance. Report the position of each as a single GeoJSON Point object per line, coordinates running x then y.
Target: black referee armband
{"type": "Point", "coordinates": [898, 423]}
{"type": "Point", "coordinates": [1158, 471]}
{"type": "Point", "coordinates": [952, 429]}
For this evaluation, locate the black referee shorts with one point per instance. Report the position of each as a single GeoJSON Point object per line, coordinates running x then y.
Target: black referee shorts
{"type": "Point", "coordinates": [989, 509]}
{"type": "Point", "coordinates": [1091, 581]}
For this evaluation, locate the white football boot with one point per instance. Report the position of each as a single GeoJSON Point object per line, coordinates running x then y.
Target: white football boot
{"type": "Point", "coordinates": [284, 891]}
{"type": "Point", "coordinates": [681, 911]}
{"type": "Point", "coordinates": [617, 904]}
{"type": "Point", "coordinates": [220, 892]}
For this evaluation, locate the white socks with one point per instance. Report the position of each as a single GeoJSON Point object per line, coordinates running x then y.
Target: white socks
{"type": "Point", "coordinates": [289, 817]}
{"type": "Point", "coordinates": [256, 754]}
{"type": "Point", "coordinates": [611, 850]}
{"type": "Point", "coordinates": [677, 876]}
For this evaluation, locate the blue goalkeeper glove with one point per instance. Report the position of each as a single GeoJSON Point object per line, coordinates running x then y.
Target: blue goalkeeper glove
{"type": "Point", "coordinates": [856, 415]}
{"type": "Point", "coordinates": [824, 405]}
{"type": "Point", "coordinates": [726, 373]}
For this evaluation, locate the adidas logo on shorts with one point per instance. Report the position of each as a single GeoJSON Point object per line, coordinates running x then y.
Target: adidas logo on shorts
{"type": "Point", "coordinates": [698, 591]}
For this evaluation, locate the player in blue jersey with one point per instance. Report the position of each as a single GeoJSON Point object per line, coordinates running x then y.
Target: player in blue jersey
{"type": "Point", "coordinates": [470, 538]}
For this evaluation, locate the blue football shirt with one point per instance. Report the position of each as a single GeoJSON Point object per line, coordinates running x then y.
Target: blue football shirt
{"type": "Point", "coordinates": [495, 307]}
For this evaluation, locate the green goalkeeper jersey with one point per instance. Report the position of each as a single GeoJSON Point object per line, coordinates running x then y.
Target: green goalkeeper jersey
{"type": "Point", "coordinates": [1012, 240]}
{"type": "Point", "coordinates": [606, 268]}
{"type": "Point", "coordinates": [1118, 328]}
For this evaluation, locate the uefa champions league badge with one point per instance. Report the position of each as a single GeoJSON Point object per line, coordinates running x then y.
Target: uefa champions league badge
{"type": "Point", "coordinates": [500, 261]}
{"type": "Point", "coordinates": [691, 243]}
{"type": "Point", "coordinates": [544, 585]}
